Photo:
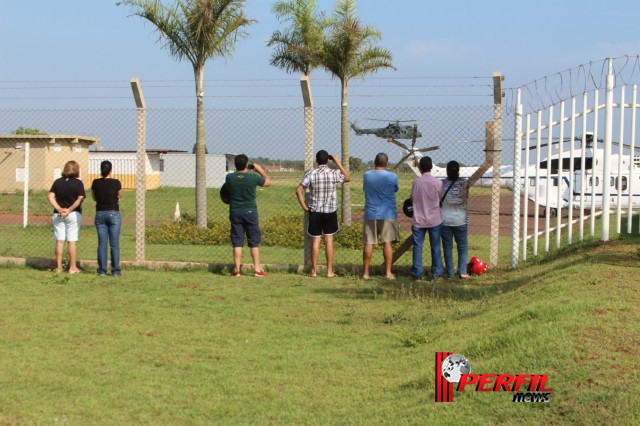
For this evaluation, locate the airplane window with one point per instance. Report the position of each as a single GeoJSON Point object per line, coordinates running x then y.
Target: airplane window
{"type": "Point", "coordinates": [611, 181]}
{"type": "Point", "coordinates": [597, 181]}
{"type": "Point", "coordinates": [555, 181]}
{"type": "Point", "coordinates": [624, 184]}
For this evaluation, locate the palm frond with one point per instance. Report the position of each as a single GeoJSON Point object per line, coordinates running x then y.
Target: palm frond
{"type": "Point", "coordinates": [195, 29]}
{"type": "Point", "coordinates": [297, 48]}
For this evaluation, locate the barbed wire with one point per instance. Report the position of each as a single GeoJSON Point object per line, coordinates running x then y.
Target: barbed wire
{"type": "Point", "coordinates": [585, 78]}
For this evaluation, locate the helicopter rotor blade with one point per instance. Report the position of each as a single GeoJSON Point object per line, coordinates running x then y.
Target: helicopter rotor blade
{"type": "Point", "coordinates": [392, 121]}
{"type": "Point", "coordinates": [415, 135]}
{"type": "Point", "coordinates": [625, 145]}
{"type": "Point", "coordinates": [400, 144]}
{"type": "Point", "coordinates": [532, 147]}
{"type": "Point", "coordinates": [402, 160]}
{"type": "Point", "coordinates": [431, 148]}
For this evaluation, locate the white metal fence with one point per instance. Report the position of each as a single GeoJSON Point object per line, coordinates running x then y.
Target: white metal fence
{"type": "Point", "coordinates": [580, 167]}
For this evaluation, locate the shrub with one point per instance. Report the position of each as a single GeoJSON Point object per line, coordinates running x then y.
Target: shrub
{"type": "Point", "coordinates": [187, 232]}
{"type": "Point", "coordinates": [283, 231]}
{"type": "Point", "coordinates": [278, 231]}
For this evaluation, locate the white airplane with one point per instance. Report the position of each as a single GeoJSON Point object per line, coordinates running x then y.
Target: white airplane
{"type": "Point", "coordinates": [586, 182]}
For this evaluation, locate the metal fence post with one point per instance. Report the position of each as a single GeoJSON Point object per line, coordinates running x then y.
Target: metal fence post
{"type": "Point", "coordinates": [308, 156]}
{"type": "Point", "coordinates": [497, 161]}
{"type": "Point", "coordinates": [27, 172]}
{"type": "Point", "coordinates": [606, 160]}
{"type": "Point", "coordinates": [141, 165]}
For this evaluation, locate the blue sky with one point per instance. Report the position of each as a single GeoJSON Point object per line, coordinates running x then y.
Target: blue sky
{"type": "Point", "coordinates": [78, 41]}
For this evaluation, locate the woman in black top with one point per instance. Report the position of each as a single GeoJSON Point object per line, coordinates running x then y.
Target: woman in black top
{"type": "Point", "coordinates": [66, 196]}
{"type": "Point", "coordinates": [106, 192]}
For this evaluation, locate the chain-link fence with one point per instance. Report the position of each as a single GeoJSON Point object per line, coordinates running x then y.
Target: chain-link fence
{"type": "Point", "coordinates": [274, 138]}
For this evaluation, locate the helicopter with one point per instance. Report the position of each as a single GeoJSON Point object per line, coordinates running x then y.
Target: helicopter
{"type": "Point", "coordinates": [393, 130]}
{"type": "Point", "coordinates": [401, 131]}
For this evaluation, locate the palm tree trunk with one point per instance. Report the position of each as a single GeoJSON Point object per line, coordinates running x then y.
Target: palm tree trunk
{"type": "Point", "coordinates": [201, 159]}
{"type": "Point", "coordinates": [344, 140]}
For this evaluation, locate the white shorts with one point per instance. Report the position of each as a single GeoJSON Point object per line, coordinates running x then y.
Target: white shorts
{"type": "Point", "coordinates": [67, 229]}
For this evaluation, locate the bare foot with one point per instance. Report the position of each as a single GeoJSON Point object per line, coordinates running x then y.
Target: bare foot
{"type": "Point", "coordinates": [365, 277]}
{"type": "Point", "coordinates": [330, 275]}
{"type": "Point", "coordinates": [391, 277]}
{"type": "Point", "coordinates": [312, 274]}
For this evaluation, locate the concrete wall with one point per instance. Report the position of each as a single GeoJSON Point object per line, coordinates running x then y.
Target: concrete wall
{"type": "Point", "coordinates": [124, 167]}
{"type": "Point", "coordinates": [179, 170]}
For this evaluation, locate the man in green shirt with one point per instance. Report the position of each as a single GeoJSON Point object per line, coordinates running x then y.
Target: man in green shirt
{"type": "Point", "coordinates": [243, 211]}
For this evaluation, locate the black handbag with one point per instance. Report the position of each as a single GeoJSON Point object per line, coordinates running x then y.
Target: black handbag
{"type": "Point", "coordinates": [225, 196]}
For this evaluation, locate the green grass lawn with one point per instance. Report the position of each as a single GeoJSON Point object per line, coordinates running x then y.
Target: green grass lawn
{"type": "Point", "coordinates": [172, 347]}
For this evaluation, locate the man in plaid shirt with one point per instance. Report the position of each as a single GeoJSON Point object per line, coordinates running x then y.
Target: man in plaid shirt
{"type": "Point", "coordinates": [323, 205]}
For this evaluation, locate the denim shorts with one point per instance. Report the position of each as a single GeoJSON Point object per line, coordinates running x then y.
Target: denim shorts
{"type": "Point", "coordinates": [244, 223]}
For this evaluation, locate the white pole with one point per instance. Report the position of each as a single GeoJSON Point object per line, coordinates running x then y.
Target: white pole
{"type": "Point", "coordinates": [571, 171]}
{"type": "Point", "coordinates": [594, 177]}
{"type": "Point", "coordinates": [25, 201]}
{"type": "Point", "coordinates": [618, 179]}
{"type": "Point", "coordinates": [606, 158]}
{"type": "Point", "coordinates": [536, 197]}
{"type": "Point", "coordinates": [560, 178]}
{"type": "Point", "coordinates": [515, 229]}
{"type": "Point", "coordinates": [583, 154]}
{"type": "Point", "coordinates": [547, 200]}
{"type": "Point", "coordinates": [525, 199]}
{"type": "Point", "coordinates": [632, 186]}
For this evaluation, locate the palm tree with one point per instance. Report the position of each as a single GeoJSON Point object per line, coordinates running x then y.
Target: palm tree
{"type": "Point", "coordinates": [196, 30]}
{"type": "Point", "coordinates": [349, 51]}
{"type": "Point", "coordinates": [297, 49]}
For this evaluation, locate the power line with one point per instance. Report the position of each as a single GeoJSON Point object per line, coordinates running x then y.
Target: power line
{"type": "Point", "coordinates": [248, 96]}
{"type": "Point", "coordinates": [376, 86]}
{"type": "Point", "coordinates": [244, 80]}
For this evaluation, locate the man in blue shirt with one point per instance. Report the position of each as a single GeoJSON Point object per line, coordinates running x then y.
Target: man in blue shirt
{"type": "Point", "coordinates": [380, 214]}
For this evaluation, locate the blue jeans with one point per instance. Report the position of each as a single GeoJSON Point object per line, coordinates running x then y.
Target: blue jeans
{"type": "Point", "coordinates": [460, 235]}
{"type": "Point", "coordinates": [108, 225]}
{"type": "Point", "coordinates": [436, 252]}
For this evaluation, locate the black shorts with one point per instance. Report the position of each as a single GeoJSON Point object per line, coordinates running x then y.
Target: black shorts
{"type": "Point", "coordinates": [323, 224]}
{"type": "Point", "coordinates": [245, 223]}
